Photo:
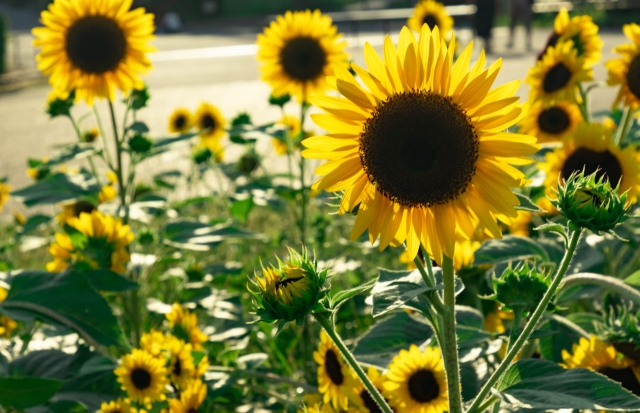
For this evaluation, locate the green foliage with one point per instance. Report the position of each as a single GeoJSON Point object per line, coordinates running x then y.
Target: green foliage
{"type": "Point", "coordinates": [24, 392]}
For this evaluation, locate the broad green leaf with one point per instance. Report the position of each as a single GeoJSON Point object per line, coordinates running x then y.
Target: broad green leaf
{"type": "Point", "coordinates": [509, 248]}
{"type": "Point", "coordinates": [43, 364]}
{"type": "Point", "coordinates": [240, 209]}
{"type": "Point", "coordinates": [342, 296]}
{"type": "Point", "coordinates": [393, 333]}
{"type": "Point", "coordinates": [199, 236]}
{"type": "Point", "coordinates": [139, 127]}
{"type": "Point", "coordinates": [551, 346]}
{"type": "Point", "coordinates": [93, 384]}
{"type": "Point", "coordinates": [527, 204]}
{"type": "Point", "coordinates": [469, 336]}
{"type": "Point", "coordinates": [70, 152]}
{"type": "Point", "coordinates": [633, 280]}
{"type": "Point", "coordinates": [24, 392]}
{"type": "Point", "coordinates": [542, 384]}
{"type": "Point", "coordinates": [66, 406]}
{"type": "Point", "coordinates": [394, 288]}
{"type": "Point", "coordinates": [107, 280]}
{"type": "Point", "coordinates": [57, 188]}
{"type": "Point", "coordinates": [194, 292]}
{"type": "Point", "coordinates": [34, 222]}
{"type": "Point", "coordinates": [469, 317]}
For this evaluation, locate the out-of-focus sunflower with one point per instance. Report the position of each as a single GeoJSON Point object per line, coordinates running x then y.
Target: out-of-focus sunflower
{"type": "Point", "coordinates": [625, 70]}
{"type": "Point", "coordinates": [432, 13]}
{"type": "Point", "coordinates": [74, 209]}
{"type": "Point", "coordinates": [582, 31]}
{"type": "Point", "coordinates": [551, 121]}
{"type": "Point", "coordinates": [181, 366]}
{"type": "Point", "coordinates": [297, 51]}
{"type": "Point", "coordinates": [99, 241]}
{"type": "Point", "coordinates": [364, 402]}
{"type": "Point", "coordinates": [185, 326]}
{"type": "Point", "coordinates": [7, 325]}
{"type": "Point", "coordinates": [94, 48]}
{"type": "Point", "coordinates": [117, 406]}
{"type": "Point", "coordinates": [153, 342]}
{"type": "Point", "coordinates": [317, 408]}
{"type": "Point", "coordinates": [180, 121]}
{"type": "Point", "coordinates": [521, 225]}
{"type": "Point", "coordinates": [201, 367]}
{"type": "Point", "coordinates": [209, 121]}
{"type": "Point", "coordinates": [420, 150]}
{"type": "Point", "coordinates": [190, 399]}
{"type": "Point", "coordinates": [142, 376]}
{"type": "Point", "coordinates": [293, 125]}
{"type": "Point", "coordinates": [5, 190]}
{"type": "Point", "coordinates": [591, 148]}
{"type": "Point", "coordinates": [416, 382]}
{"type": "Point", "coordinates": [335, 379]}
{"type": "Point", "coordinates": [556, 76]}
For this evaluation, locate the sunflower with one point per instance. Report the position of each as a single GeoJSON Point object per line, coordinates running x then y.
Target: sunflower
{"type": "Point", "coordinates": [7, 325]}
{"type": "Point", "coordinates": [190, 399]}
{"type": "Point", "coordinates": [416, 382]}
{"type": "Point", "coordinates": [431, 13]}
{"type": "Point", "coordinates": [201, 368]}
{"type": "Point", "coordinates": [364, 402]}
{"type": "Point", "coordinates": [334, 376]}
{"type": "Point", "coordinates": [107, 193]}
{"type": "Point", "coordinates": [297, 51]}
{"type": "Point", "coordinates": [557, 74]}
{"type": "Point", "coordinates": [582, 31]}
{"type": "Point", "coordinates": [154, 343]}
{"type": "Point", "coordinates": [142, 376]}
{"type": "Point", "coordinates": [421, 151]}
{"type": "Point", "coordinates": [96, 240]}
{"type": "Point", "coordinates": [117, 406]}
{"type": "Point", "coordinates": [317, 408]}
{"type": "Point", "coordinates": [521, 225]}
{"type": "Point", "coordinates": [74, 209]}
{"type": "Point", "coordinates": [180, 121]}
{"type": "Point", "coordinates": [551, 121]}
{"type": "Point", "coordinates": [591, 148]}
{"type": "Point", "coordinates": [5, 190]}
{"type": "Point", "coordinates": [185, 326]}
{"type": "Point", "coordinates": [94, 47]}
{"type": "Point", "coordinates": [209, 121]}
{"type": "Point", "coordinates": [293, 125]}
{"type": "Point", "coordinates": [181, 367]}
{"type": "Point", "coordinates": [625, 70]}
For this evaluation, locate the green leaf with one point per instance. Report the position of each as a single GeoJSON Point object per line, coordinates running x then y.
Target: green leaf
{"type": "Point", "coordinates": [527, 204]}
{"type": "Point", "coordinates": [139, 127]}
{"type": "Point", "coordinates": [34, 222]}
{"type": "Point", "coordinates": [43, 364]}
{"type": "Point", "coordinates": [199, 236]}
{"type": "Point", "coordinates": [241, 208]}
{"type": "Point", "coordinates": [394, 288]}
{"type": "Point", "coordinates": [341, 297]}
{"type": "Point", "coordinates": [251, 361]}
{"type": "Point", "coordinates": [393, 333]}
{"type": "Point", "coordinates": [509, 248]}
{"type": "Point", "coordinates": [71, 152]}
{"type": "Point", "coordinates": [633, 280]}
{"type": "Point", "coordinates": [63, 299]}
{"type": "Point", "coordinates": [542, 384]}
{"type": "Point", "coordinates": [94, 383]}
{"type": "Point", "coordinates": [24, 392]}
{"type": "Point", "coordinates": [107, 280]}
{"type": "Point", "coordinates": [194, 292]}
{"type": "Point", "coordinates": [57, 188]}
{"type": "Point", "coordinates": [66, 406]}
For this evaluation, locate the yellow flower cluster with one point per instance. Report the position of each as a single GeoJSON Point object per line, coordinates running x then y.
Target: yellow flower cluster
{"type": "Point", "coordinates": [184, 323]}
{"type": "Point", "coordinates": [208, 122]}
{"type": "Point", "coordinates": [7, 325]}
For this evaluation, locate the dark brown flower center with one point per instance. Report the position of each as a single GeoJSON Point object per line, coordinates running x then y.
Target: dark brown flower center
{"type": "Point", "coordinates": [556, 78]}
{"type": "Point", "coordinates": [419, 149]}
{"type": "Point", "coordinates": [368, 402]}
{"type": "Point", "coordinates": [633, 76]}
{"type": "Point", "coordinates": [177, 368]}
{"type": "Point", "coordinates": [591, 161]}
{"type": "Point", "coordinates": [95, 44]}
{"type": "Point", "coordinates": [430, 20]}
{"type": "Point", "coordinates": [82, 206]}
{"type": "Point", "coordinates": [208, 122]}
{"type": "Point", "coordinates": [625, 377]}
{"type": "Point", "coordinates": [333, 368]}
{"type": "Point", "coordinates": [180, 122]}
{"type": "Point", "coordinates": [423, 386]}
{"type": "Point", "coordinates": [553, 120]}
{"type": "Point", "coordinates": [303, 58]}
{"type": "Point", "coordinates": [140, 378]}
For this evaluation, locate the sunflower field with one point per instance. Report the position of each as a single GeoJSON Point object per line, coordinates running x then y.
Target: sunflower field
{"type": "Point", "coordinates": [443, 246]}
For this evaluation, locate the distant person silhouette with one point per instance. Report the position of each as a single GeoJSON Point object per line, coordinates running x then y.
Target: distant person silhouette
{"type": "Point", "coordinates": [484, 19]}
{"type": "Point", "coordinates": [520, 9]}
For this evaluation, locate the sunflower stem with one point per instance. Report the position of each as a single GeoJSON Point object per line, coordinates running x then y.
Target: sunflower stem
{"type": "Point", "coordinates": [303, 189]}
{"type": "Point", "coordinates": [92, 164]}
{"type": "Point", "coordinates": [450, 350]}
{"type": "Point", "coordinates": [622, 131]}
{"type": "Point", "coordinates": [584, 105]}
{"type": "Point", "coordinates": [531, 324]}
{"type": "Point", "coordinates": [429, 280]}
{"type": "Point", "coordinates": [327, 324]}
{"type": "Point", "coordinates": [515, 327]}
{"type": "Point", "coordinates": [119, 171]}
{"type": "Point", "coordinates": [103, 136]}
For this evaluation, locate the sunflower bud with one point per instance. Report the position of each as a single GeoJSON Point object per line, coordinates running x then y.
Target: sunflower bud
{"type": "Point", "coordinates": [520, 288]}
{"type": "Point", "coordinates": [591, 203]}
{"type": "Point", "coordinates": [289, 291]}
{"type": "Point", "coordinates": [248, 162]}
{"type": "Point", "coordinates": [279, 100]}
{"type": "Point", "coordinates": [58, 105]}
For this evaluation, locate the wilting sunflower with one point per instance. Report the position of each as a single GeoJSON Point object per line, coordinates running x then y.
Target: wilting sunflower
{"type": "Point", "coordinates": [181, 366]}
{"type": "Point", "coordinates": [7, 325]}
{"type": "Point", "coordinates": [334, 376]}
{"type": "Point", "coordinates": [142, 376]}
{"type": "Point", "coordinates": [297, 51]}
{"type": "Point", "coordinates": [557, 74]}
{"type": "Point", "coordinates": [582, 31]}
{"type": "Point", "coordinates": [551, 121]}
{"type": "Point", "coordinates": [364, 402]}
{"type": "Point", "coordinates": [625, 70]}
{"type": "Point", "coordinates": [5, 190]}
{"type": "Point", "coordinates": [421, 150]}
{"type": "Point", "coordinates": [99, 241]}
{"type": "Point", "coordinates": [94, 47]}
{"type": "Point", "coordinates": [180, 121]}
{"type": "Point", "coordinates": [190, 399]}
{"type": "Point", "coordinates": [431, 13]}
{"type": "Point", "coordinates": [209, 121]}
{"type": "Point", "coordinates": [591, 148]}
{"type": "Point", "coordinates": [117, 406]}
{"type": "Point", "coordinates": [416, 382]}
{"type": "Point", "coordinates": [185, 326]}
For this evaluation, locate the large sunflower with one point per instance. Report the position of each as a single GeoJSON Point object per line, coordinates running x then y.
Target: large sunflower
{"type": "Point", "coordinates": [142, 376]}
{"type": "Point", "coordinates": [190, 399]}
{"type": "Point", "coordinates": [582, 31]}
{"type": "Point", "coordinates": [334, 376]}
{"type": "Point", "coordinates": [431, 13]}
{"type": "Point", "coordinates": [94, 47]}
{"type": "Point", "coordinates": [180, 121]}
{"type": "Point", "coordinates": [297, 51]}
{"type": "Point", "coordinates": [625, 70]}
{"type": "Point", "coordinates": [364, 402]}
{"type": "Point", "coordinates": [416, 382]}
{"type": "Point", "coordinates": [557, 74]}
{"type": "Point", "coordinates": [551, 121]}
{"type": "Point", "coordinates": [591, 147]}
{"type": "Point", "coordinates": [421, 148]}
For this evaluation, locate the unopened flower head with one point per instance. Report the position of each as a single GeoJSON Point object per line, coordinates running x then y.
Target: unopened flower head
{"type": "Point", "coordinates": [520, 288]}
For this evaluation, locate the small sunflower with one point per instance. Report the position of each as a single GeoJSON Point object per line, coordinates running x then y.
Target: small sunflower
{"type": "Point", "coordinates": [591, 148]}
{"type": "Point", "coordinates": [364, 402]}
{"type": "Point", "coordinates": [107, 193]}
{"type": "Point", "coordinates": [625, 70]}
{"type": "Point", "coordinates": [521, 225]}
{"type": "Point", "coordinates": [94, 48]}
{"type": "Point", "coordinates": [117, 406]}
{"type": "Point", "coordinates": [181, 368]}
{"type": "Point", "coordinates": [142, 376]}
{"type": "Point", "coordinates": [180, 121]}
{"type": "Point", "coordinates": [209, 121]}
{"type": "Point", "coordinates": [334, 376]}
{"type": "Point", "coordinates": [582, 31]}
{"type": "Point", "coordinates": [190, 399]}
{"type": "Point", "coordinates": [99, 241]}
{"type": "Point", "coordinates": [433, 14]}
{"type": "Point", "coordinates": [297, 51]}
{"type": "Point", "coordinates": [416, 382]}
{"type": "Point", "coordinates": [154, 343]}
{"type": "Point", "coordinates": [557, 74]}
{"type": "Point", "coordinates": [5, 190]}
{"type": "Point", "coordinates": [74, 209]}
{"type": "Point", "coordinates": [551, 121]}
{"type": "Point", "coordinates": [421, 149]}
{"type": "Point", "coordinates": [185, 326]}
{"type": "Point", "coordinates": [293, 125]}
{"type": "Point", "coordinates": [7, 325]}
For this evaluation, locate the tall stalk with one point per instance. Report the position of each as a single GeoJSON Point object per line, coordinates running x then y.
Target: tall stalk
{"type": "Point", "coordinates": [450, 338]}
{"type": "Point", "coordinates": [303, 188]}
{"type": "Point", "coordinates": [119, 168]}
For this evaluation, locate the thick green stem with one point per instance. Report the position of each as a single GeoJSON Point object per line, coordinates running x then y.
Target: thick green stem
{"type": "Point", "coordinates": [515, 327]}
{"type": "Point", "coordinates": [327, 324]}
{"type": "Point", "coordinates": [450, 350]}
{"type": "Point", "coordinates": [103, 136]}
{"type": "Point", "coordinates": [303, 189]}
{"type": "Point", "coordinates": [584, 105]}
{"type": "Point", "coordinates": [119, 172]}
{"type": "Point", "coordinates": [531, 324]}
{"type": "Point", "coordinates": [429, 280]}
{"type": "Point", "coordinates": [623, 128]}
